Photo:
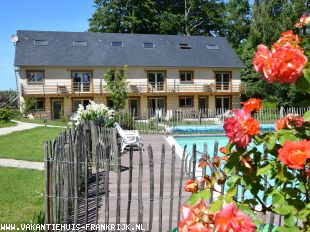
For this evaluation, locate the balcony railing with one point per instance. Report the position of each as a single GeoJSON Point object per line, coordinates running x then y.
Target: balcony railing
{"type": "Point", "coordinates": [159, 87]}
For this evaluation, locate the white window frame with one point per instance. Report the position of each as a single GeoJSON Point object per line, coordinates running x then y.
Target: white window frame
{"type": "Point", "coordinates": [35, 72]}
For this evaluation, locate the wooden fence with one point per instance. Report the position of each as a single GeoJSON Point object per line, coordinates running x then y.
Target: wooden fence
{"type": "Point", "coordinates": [162, 120]}
{"type": "Point", "coordinates": [88, 180]}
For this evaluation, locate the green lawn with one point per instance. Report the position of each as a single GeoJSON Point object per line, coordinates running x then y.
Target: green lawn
{"type": "Point", "coordinates": [27, 144]}
{"type": "Point", "coordinates": [7, 124]}
{"type": "Point", "coordinates": [41, 121]}
{"type": "Point", "coordinates": [21, 195]}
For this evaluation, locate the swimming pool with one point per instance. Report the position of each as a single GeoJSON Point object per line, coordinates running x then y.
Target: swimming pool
{"type": "Point", "coordinates": [216, 129]}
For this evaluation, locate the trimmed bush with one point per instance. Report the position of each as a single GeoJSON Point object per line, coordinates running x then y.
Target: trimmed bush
{"type": "Point", "coordinates": [5, 115]}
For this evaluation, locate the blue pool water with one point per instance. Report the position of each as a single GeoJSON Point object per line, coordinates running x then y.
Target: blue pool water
{"type": "Point", "coordinates": [212, 128]}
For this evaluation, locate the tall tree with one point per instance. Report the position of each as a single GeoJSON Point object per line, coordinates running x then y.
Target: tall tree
{"type": "Point", "coordinates": [237, 21]}
{"type": "Point", "coordinates": [126, 16]}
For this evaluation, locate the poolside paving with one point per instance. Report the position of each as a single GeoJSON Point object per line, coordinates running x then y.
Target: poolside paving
{"type": "Point", "coordinates": [156, 142]}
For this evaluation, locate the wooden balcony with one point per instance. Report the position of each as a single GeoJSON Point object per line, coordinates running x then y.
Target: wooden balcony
{"type": "Point", "coordinates": [186, 88]}
{"type": "Point", "coordinates": [70, 88]}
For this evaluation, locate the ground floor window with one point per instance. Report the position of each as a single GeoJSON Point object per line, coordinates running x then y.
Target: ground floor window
{"type": "Point", "coordinates": [37, 104]}
{"type": "Point", "coordinates": [222, 102]}
{"type": "Point", "coordinates": [186, 101]}
{"type": "Point", "coordinates": [77, 102]}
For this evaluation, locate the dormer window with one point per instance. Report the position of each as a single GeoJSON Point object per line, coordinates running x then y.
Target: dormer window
{"type": "Point", "coordinates": [79, 43]}
{"type": "Point", "coordinates": [40, 42]}
{"type": "Point", "coordinates": [184, 46]}
{"type": "Point", "coordinates": [116, 44]}
{"type": "Point", "coordinates": [212, 46]}
{"type": "Point", "coordinates": [148, 45]}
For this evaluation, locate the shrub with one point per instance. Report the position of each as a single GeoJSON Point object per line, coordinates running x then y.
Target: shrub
{"type": "Point", "coordinates": [269, 105]}
{"type": "Point", "coordinates": [99, 113]}
{"type": "Point", "coordinates": [5, 115]}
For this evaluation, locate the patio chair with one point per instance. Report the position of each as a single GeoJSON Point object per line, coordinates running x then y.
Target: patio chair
{"type": "Point", "coordinates": [129, 137]}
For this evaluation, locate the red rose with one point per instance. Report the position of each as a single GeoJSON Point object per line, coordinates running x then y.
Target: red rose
{"type": "Point", "coordinates": [284, 62]}
{"type": "Point", "coordinates": [191, 186]}
{"type": "Point", "coordinates": [295, 154]}
{"type": "Point", "coordinates": [253, 104]}
{"type": "Point", "coordinates": [231, 219]}
{"type": "Point", "coordinates": [195, 218]}
{"type": "Point", "coordinates": [240, 129]}
{"type": "Point", "coordinates": [303, 21]}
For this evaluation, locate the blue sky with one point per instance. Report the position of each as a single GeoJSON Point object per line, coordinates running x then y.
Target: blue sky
{"type": "Point", "coordinates": [54, 15]}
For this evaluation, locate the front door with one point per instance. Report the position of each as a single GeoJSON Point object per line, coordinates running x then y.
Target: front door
{"type": "Point", "coordinates": [134, 107]}
{"type": "Point", "coordinates": [57, 111]}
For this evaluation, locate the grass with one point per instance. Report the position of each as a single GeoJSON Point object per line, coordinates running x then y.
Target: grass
{"type": "Point", "coordinates": [21, 195]}
{"type": "Point", "coordinates": [27, 144]}
{"type": "Point", "coordinates": [7, 124]}
{"type": "Point", "coordinates": [41, 121]}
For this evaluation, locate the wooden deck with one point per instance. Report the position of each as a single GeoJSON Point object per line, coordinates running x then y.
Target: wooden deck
{"type": "Point", "coordinates": [156, 142]}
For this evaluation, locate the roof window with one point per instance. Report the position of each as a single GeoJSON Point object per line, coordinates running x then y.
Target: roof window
{"type": "Point", "coordinates": [40, 42]}
{"type": "Point", "coordinates": [184, 46]}
{"type": "Point", "coordinates": [79, 43]}
{"type": "Point", "coordinates": [117, 44]}
{"type": "Point", "coordinates": [212, 46]}
{"type": "Point", "coordinates": [148, 45]}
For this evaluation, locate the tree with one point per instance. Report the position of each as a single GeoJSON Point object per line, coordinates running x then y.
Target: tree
{"type": "Point", "coordinates": [237, 20]}
{"type": "Point", "coordinates": [132, 16]}
{"type": "Point", "coordinates": [116, 87]}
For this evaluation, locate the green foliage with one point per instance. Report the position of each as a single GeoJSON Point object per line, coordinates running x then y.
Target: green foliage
{"type": "Point", "coordinates": [116, 87]}
{"type": "Point", "coordinates": [124, 16]}
{"type": "Point", "coordinates": [5, 115]}
{"type": "Point", "coordinates": [237, 21]}
{"type": "Point", "coordinates": [269, 105]}
{"type": "Point", "coordinates": [29, 105]}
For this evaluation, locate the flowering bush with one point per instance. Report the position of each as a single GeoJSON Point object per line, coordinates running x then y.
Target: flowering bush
{"type": "Point", "coordinates": [94, 112]}
{"type": "Point", "coordinates": [273, 167]}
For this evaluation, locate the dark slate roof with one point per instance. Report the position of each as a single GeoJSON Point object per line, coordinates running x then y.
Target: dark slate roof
{"type": "Point", "coordinates": [98, 51]}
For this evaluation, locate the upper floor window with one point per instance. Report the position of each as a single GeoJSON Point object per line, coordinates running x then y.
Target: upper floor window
{"type": "Point", "coordinates": [81, 80]}
{"type": "Point", "coordinates": [186, 76]}
{"type": "Point", "coordinates": [35, 76]}
{"type": "Point", "coordinates": [113, 73]}
{"type": "Point", "coordinates": [222, 80]}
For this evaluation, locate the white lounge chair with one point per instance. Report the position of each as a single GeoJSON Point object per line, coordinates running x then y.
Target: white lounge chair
{"type": "Point", "coordinates": [129, 138]}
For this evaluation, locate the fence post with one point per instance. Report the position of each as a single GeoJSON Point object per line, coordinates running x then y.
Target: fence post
{"type": "Point", "coordinates": [161, 189]}
{"type": "Point", "coordinates": [151, 164]}
{"type": "Point", "coordinates": [181, 181]}
{"type": "Point", "coordinates": [172, 187]}
{"type": "Point", "coordinates": [47, 186]}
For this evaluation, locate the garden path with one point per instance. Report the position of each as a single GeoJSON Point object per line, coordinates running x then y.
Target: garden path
{"type": "Point", "coordinates": [21, 164]}
{"type": "Point", "coordinates": [20, 126]}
